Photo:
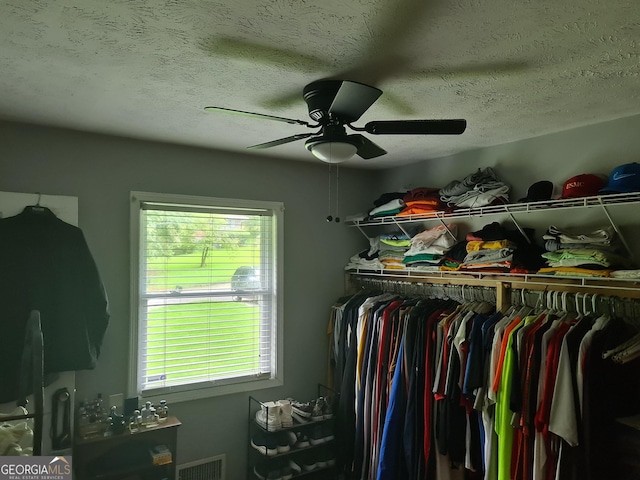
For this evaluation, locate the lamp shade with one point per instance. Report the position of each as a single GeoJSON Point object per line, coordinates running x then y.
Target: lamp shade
{"type": "Point", "coordinates": [332, 152]}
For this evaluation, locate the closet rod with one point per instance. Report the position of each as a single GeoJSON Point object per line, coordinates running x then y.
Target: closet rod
{"type": "Point", "coordinates": [504, 295]}
{"type": "Point", "coordinates": [461, 293]}
{"type": "Point", "coordinates": [530, 282]}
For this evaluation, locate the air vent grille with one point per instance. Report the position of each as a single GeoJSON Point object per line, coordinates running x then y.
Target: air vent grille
{"type": "Point", "coordinates": [212, 468]}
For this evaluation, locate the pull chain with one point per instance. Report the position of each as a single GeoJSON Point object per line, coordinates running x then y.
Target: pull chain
{"type": "Point", "coordinates": [329, 217]}
{"type": "Point", "coordinates": [337, 193]}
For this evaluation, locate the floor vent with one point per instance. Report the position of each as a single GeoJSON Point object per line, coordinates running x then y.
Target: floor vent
{"type": "Point", "coordinates": [212, 468]}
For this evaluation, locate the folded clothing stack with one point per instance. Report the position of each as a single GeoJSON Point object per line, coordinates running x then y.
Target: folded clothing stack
{"type": "Point", "coordinates": [582, 253]}
{"type": "Point", "coordinates": [476, 190]}
{"type": "Point", "coordinates": [421, 201]}
{"type": "Point", "coordinates": [494, 255]}
{"type": "Point", "coordinates": [388, 204]}
{"type": "Point", "coordinates": [500, 249]}
{"type": "Point", "coordinates": [392, 249]}
{"type": "Point", "coordinates": [428, 248]}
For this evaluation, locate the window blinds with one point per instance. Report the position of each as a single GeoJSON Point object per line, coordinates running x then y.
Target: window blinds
{"type": "Point", "coordinates": [207, 296]}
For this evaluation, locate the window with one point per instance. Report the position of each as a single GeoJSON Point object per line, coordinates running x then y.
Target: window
{"type": "Point", "coordinates": [206, 299]}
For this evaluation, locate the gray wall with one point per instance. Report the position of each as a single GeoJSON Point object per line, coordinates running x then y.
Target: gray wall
{"type": "Point", "coordinates": [102, 170]}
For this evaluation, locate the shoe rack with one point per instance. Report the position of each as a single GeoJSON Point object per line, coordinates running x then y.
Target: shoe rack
{"type": "Point", "coordinates": [305, 449]}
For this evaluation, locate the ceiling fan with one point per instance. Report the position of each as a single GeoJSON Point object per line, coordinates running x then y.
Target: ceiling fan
{"type": "Point", "coordinates": [336, 104]}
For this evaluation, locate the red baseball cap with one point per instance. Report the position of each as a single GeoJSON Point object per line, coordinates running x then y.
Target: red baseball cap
{"type": "Point", "coordinates": [584, 185]}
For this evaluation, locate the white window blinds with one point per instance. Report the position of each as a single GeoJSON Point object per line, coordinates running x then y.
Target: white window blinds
{"type": "Point", "coordinates": [207, 303]}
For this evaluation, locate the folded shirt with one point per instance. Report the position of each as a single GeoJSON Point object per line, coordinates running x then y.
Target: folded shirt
{"type": "Point", "coordinates": [395, 242]}
{"type": "Point", "coordinates": [423, 268]}
{"type": "Point", "coordinates": [493, 255]}
{"type": "Point", "coordinates": [365, 264]}
{"type": "Point", "coordinates": [387, 197]}
{"type": "Point", "coordinates": [553, 245]}
{"type": "Point", "coordinates": [385, 259]}
{"type": "Point", "coordinates": [450, 266]}
{"type": "Point", "coordinates": [626, 273]}
{"type": "Point", "coordinates": [436, 236]}
{"type": "Point", "coordinates": [602, 236]}
{"type": "Point", "coordinates": [431, 249]}
{"type": "Point", "coordinates": [475, 245]}
{"type": "Point", "coordinates": [421, 194]}
{"type": "Point", "coordinates": [394, 266]}
{"type": "Point", "coordinates": [399, 253]}
{"type": "Point", "coordinates": [391, 256]}
{"type": "Point", "coordinates": [419, 210]}
{"type": "Point", "coordinates": [423, 257]}
{"type": "Point", "coordinates": [393, 205]}
{"type": "Point", "coordinates": [494, 266]}
{"type": "Point", "coordinates": [582, 256]}
{"type": "Point", "coordinates": [575, 271]}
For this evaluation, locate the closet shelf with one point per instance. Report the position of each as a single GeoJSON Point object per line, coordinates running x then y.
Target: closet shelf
{"type": "Point", "coordinates": [629, 286]}
{"type": "Point", "coordinates": [568, 203]}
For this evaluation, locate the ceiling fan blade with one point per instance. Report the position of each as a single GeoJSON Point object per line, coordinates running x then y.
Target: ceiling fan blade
{"type": "Point", "coordinates": [352, 100]}
{"type": "Point", "coordinates": [259, 115]}
{"type": "Point", "coordinates": [281, 141]}
{"type": "Point", "coordinates": [393, 27]}
{"type": "Point", "coordinates": [366, 148]}
{"type": "Point", "coordinates": [264, 54]}
{"type": "Point", "coordinates": [416, 127]}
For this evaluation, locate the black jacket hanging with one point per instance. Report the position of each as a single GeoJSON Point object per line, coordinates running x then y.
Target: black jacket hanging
{"type": "Point", "coordinates": [46, 265]}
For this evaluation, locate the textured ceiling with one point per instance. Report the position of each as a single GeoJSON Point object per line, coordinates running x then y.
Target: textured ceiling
{"type": "Point", "coordinates": [146, 68]}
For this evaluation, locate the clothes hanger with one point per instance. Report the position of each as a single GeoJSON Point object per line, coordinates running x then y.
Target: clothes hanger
{"type": "Point", "coordinates": [579, 304]}
{"type": "Point", "coordinates": [37, 209]}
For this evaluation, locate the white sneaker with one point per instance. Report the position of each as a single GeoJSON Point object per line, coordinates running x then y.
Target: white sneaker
{"type": "Point", "coordinates": [285, 413]}
{"type": "Point", "coordinates": [295, 467]}
{"type": "Point", "coordinates": [268, 417]}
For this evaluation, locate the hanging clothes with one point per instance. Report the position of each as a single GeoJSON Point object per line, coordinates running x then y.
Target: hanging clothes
{"type": "Point", "coordinates": [441, 390]}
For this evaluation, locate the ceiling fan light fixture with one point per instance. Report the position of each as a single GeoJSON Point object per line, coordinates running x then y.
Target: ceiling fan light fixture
{"type": "Point", "coordinates": [331, 152]}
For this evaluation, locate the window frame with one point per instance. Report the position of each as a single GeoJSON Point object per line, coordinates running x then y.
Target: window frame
{"type": "Point", "coordinates": [196, 391]}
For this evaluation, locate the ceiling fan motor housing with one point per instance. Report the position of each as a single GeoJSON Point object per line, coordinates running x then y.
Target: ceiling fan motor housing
{"type": "Point", "coordinates": [319, 96]}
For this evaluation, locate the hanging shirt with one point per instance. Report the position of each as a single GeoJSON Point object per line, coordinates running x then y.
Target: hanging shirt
{"type": "Point", "coordinates": [503, 426]}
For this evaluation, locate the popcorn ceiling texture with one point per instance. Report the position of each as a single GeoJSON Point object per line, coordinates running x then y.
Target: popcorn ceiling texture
{"type": "Point", "coordinates": [146, 68]}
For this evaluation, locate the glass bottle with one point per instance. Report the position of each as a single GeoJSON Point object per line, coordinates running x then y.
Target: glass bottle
{"type": "Point", "coordinates": [136, 421]}
{"type": "Point", "coordinates": [148, 413]}
{"type": "Point", "coordinates": [163, 410]}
